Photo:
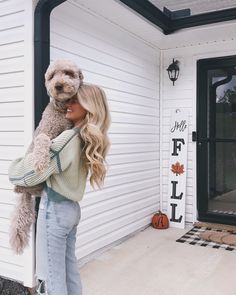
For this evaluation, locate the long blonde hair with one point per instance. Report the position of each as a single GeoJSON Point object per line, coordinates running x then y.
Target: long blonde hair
{"type": "Point", "coordinates": [93, 130]}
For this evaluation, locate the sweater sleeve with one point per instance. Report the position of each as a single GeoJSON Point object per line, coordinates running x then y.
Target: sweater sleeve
{"type": "Point", "coordinates": [21, 171]}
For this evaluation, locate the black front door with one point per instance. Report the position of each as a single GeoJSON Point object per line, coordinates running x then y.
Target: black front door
{"type": "Point", "coordinates": [216, 140]}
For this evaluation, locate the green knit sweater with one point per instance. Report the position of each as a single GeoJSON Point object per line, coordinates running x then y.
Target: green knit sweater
{"type": "Point", "coordinates": [66, 175]}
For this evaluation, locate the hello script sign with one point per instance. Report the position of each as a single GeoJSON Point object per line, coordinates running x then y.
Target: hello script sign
{"type": "Point", "coordinates": [177, 168]}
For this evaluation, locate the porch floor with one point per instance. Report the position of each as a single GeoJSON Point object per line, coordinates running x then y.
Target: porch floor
{"type": "Point", "coordinates": [152, 263]}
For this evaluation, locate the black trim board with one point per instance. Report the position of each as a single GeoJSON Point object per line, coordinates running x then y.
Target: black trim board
{"type": "Point", "coordinates": [41, 58]}
{"type": "Point", "coordinates": [204, 19]}
{"type": "Point", "coordinates": [42, 53]}
{"type": "Point", "coordinates": [168, 25]}
{"type": "Point", "coordinates": [151, 13]}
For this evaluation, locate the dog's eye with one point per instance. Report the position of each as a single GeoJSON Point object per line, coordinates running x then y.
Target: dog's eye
{"type": "Point", "coordinates": [69, 73]}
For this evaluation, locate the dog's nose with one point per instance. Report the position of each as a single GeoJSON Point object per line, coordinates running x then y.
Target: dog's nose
{"type": "Point", "coordinates": [59, 87]}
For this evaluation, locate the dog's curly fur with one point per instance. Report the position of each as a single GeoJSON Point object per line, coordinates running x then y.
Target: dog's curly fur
{"type": "Point", "coordinates": [62, 80]}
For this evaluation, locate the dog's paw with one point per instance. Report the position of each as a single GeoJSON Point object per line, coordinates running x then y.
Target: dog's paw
{"type": "Point", "coordinates": [40, 155]}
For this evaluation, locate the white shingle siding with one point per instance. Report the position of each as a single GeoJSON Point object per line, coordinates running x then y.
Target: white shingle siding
{"type": "Point", "coordinates": [183, 95]}
{"type": "Point", "coordinates": [15, 125]}
{"type": "Point", "coordinates": [128, 70]}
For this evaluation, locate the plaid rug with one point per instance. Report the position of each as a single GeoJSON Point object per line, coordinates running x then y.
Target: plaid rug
{"type": "Point", "coordinates": [192, 238]}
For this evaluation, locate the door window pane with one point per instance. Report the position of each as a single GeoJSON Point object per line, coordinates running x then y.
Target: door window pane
{"type": "Point", "coordinates": [222, 177]}
{"type": "Point", "coordinates": [222, 103]}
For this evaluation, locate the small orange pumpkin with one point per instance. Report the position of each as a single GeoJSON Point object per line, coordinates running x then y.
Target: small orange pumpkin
{"type": "Point", "coordinates": [160, 220]}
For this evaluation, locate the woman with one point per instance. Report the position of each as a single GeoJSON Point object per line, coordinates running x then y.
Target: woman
{"type": "Point", "coordinates": [74, 153]}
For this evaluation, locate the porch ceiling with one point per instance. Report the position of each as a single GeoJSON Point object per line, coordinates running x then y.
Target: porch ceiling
{"type": "Point", "coordinates": [196, 6]}
{"type": "Point", "coordinates": [171, 20]}
{"type": "Point", "coordinates": [118, 13]}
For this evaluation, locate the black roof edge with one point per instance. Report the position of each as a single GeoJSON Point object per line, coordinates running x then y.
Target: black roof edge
{"type": "Point", "coordinates": [42, 53]}
{"type": "Point", "coordinates": [205, 18]}
{"type": "Point", "coordinates": [168, 25]}
{"type": "Point", "coordinates": [151, 13]}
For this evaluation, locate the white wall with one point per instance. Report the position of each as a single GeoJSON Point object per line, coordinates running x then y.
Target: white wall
{"type": "Point", "coordinates": [128, 70]}
{"type": "Point", "coordinates": [183, 95]}
{"type": "Point", "coordinates": [16, 111]}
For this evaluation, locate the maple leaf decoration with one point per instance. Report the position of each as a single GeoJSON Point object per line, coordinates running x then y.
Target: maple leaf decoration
{"type": "Point", "coordinates": [177, 168]}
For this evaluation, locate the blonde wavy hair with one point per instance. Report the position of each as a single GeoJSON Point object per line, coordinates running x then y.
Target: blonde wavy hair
{"type": "Point", "coordinates": [93, 130]}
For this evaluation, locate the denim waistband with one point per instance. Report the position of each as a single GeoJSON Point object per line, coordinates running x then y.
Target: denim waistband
{"type": "Point", "coordinates": [54, 196]}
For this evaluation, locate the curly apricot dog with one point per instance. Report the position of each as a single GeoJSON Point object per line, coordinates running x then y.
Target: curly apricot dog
{"type": "Point", "coordinates": [62, 80]}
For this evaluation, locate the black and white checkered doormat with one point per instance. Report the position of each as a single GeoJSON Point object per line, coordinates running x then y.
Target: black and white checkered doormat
{"type": "Point", "coordinates": [192, 238]}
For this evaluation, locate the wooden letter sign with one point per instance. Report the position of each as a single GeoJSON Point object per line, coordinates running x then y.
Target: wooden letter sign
{"type": "Point", "coordinates": [177, 168]}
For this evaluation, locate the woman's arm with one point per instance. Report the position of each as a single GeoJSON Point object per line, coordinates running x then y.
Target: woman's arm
{"type": "Point", "coordinates": [21, 171]}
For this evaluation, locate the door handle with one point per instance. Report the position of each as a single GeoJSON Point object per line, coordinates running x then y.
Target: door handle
{"type": "Point", "coordinates": [196, 139]}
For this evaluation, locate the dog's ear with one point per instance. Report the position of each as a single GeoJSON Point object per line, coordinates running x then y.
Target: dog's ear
{"type": "Point", "coordinates": [46, 75]}
{"type": "Point", "coordinates": [81, 76]}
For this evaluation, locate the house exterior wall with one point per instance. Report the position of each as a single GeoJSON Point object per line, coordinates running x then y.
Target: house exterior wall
{"type": "Point", "coordinates": [128, 70]}
{"type": "Point", "coordinates": [127, 65]}
{"type": "Point", "coordinates": [16, 121]}
{"type": "Point", "coordinates": [183, 96]}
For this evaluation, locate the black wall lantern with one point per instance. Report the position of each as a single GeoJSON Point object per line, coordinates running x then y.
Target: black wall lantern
{"type": "Point", "coordinates": [173, 71]}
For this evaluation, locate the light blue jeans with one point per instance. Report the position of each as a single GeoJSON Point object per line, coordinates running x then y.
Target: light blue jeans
{"type": "Point", "coordinates": [56, 263]}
